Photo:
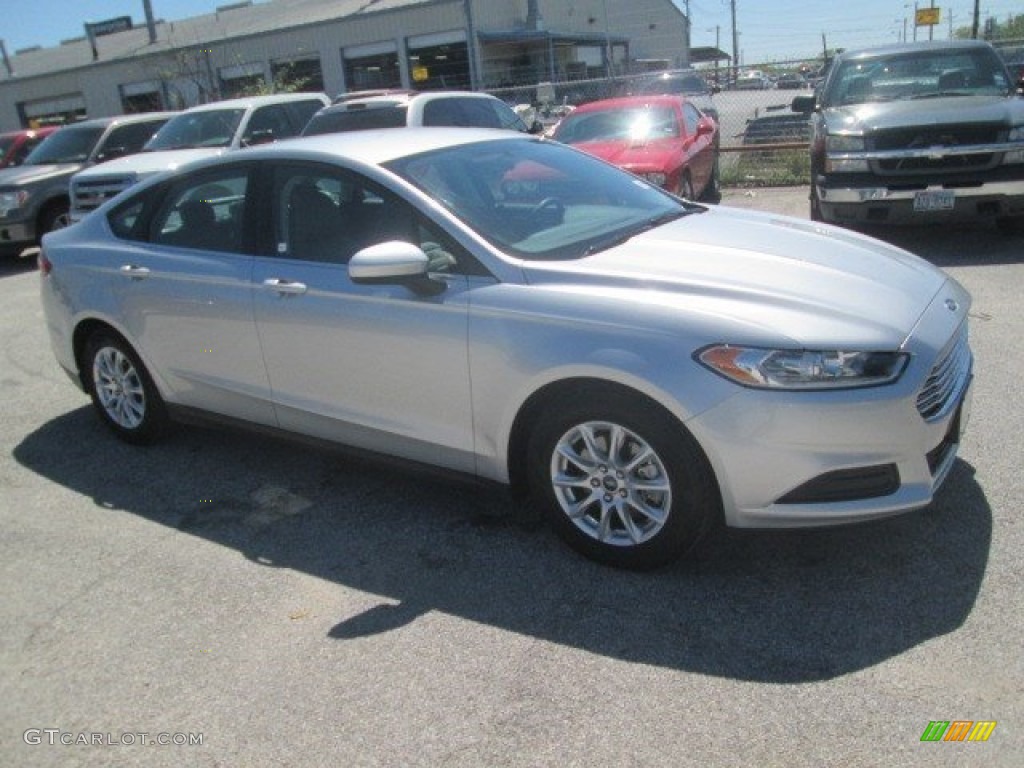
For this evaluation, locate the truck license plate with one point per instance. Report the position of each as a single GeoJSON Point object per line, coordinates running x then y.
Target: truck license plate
{"type": "Point", "coordinates": [934, 200]}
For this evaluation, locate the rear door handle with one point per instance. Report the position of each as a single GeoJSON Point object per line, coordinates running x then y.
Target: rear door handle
{"type": "Point", "coordinates": [289, 287]}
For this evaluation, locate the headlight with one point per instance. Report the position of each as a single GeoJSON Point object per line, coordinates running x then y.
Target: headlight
{"type": "Point", "coordinates": [12, 200]}
{"type": "Point", "coordinates": [842, 145]}
{"type": "Point", "coordinates": [835, 143]}
{"type": "Point", "coordinates": [802, 368]}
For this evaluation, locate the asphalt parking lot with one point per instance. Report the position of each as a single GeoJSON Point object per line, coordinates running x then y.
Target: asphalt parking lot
{"type": "Point", "coordinates": [286, 605]}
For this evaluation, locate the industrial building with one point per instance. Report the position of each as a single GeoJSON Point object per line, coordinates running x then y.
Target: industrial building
{"type": "Point", "coordinates": [121, 65]}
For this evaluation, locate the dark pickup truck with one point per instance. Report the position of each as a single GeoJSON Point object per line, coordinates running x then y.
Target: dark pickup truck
{"type": "Point", "coordinates": [917, 133]}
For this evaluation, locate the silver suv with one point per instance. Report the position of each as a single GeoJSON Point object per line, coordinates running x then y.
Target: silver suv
{"type": "Point", "coordinates": [34, 195]}
{"type": "Point", "coordinates": [202, 131]}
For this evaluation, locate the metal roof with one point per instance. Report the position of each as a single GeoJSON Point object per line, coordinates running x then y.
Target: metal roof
{"type": "Point", "coordinates": [258, 18]}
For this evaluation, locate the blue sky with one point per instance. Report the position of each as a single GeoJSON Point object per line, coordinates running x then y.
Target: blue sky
{"type": "Point", "coordinates": [769, 29]}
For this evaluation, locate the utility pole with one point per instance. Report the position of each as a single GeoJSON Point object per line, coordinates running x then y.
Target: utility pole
{"type": "Point", "coordinates": [931, 27]}
{"type": "Point", "coordinates": [977, 14]}
{"type": "Point", "coordinates": [735, 45]}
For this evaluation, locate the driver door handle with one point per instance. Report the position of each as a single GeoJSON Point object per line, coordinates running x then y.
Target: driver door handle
{"type": "Point", "coordinates": [289, 287]}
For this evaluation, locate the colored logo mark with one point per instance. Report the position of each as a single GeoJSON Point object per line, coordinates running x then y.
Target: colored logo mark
{"type": "Point", "coordinates": [958, 730]}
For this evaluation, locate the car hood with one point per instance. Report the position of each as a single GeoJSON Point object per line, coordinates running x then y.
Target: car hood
{"type": "Point", "coordinates": [30, 174]}
{"type": "Point", "coordinates": [759, 277]}
{"type": "Point", "coordinates": [629, 154]}
{"type": "Point", "coordinates": [954, 110]}
{"type": "Point", "coordinates": [145, 163]}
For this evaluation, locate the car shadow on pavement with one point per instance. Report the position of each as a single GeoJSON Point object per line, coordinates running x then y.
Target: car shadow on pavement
{"type": "Point", "coordinates": [11, 264]}
{"type": "Point", "coordinates": [776, 606]}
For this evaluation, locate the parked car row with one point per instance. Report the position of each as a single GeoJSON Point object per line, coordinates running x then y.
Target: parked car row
{"type": "Point", "coordinates": [85, 164]}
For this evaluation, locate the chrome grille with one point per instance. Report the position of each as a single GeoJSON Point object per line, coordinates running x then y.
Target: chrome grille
{"type": "Point", "coordinates": [946, 379]}
{"type": "Point", "coordinates": [87, 195]}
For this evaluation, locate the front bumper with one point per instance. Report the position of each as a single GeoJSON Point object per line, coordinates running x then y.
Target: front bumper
{"type": "Point", "coordinates": [878, 203]}
{"type": "Point", "coordinates": [17, 233]}
{"type": "Point", "coordinates": [788, 459]}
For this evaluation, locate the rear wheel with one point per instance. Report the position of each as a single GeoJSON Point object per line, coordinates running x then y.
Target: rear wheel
{"type": "Point", "coordinates": [815, 205]}
{"type": "Point", "coordinates": [713, 191]}
{"type": "Point", "coordinates": [686, 187]}
{"type": "Point", "coordinates": [122, 391]}
{"type": "Point", "coordinates": [620, 482]}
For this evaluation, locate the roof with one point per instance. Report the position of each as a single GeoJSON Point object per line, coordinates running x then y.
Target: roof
{"type": "Point", "coordinates": [382, 145]}
{"type": "Point", "coordinates": [259, 18]}
{"type": "Point", "coordinates": [401, 98]}
{"type": "Point", "coordinates": [140, 117]}
{"type": "Point", "coordinates": [245, 102]}
{"type": "Point", "coordinates": [921, 45]}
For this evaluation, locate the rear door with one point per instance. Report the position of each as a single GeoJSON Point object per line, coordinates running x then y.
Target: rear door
{"type": "Point", "coordinates": [186, 293]}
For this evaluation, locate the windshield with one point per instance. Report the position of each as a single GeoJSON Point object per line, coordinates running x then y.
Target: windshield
{"type": "Point", "coordinates": [921, 74]}
{"type": "Point", "coordinates": [208, 128]}
{"type": "Point", "coordinates": [635, 125]}
{"type": "Point", "coordinates": [68, 145]}
{"type": "Point", "coordinates": [538, 199]}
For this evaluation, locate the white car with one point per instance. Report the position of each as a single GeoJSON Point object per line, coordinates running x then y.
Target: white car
{"type": "Point", "coordinates": [411, 109]}
{"type": "Point", "coordinates": [512, 308]}
{"type": "Point", "coordinates": [202, 131]}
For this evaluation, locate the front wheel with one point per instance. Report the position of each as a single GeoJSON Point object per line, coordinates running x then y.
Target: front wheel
{"type": "Point", "coordinates": [620, 483]}
{"type": "Point", "coordinates": [122, 391]}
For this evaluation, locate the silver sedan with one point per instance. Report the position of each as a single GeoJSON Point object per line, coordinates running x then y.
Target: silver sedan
{"type": "Point", "coordinates": [500, 305]}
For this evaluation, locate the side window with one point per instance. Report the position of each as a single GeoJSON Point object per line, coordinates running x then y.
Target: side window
{"type": "Point", "coordinates": [20, 153]}
{"type": "Point", "coordinates": [267, 124]}
{"type": "Point", "coordinates": [205, 213]}
{"type": "Point", "coordinates": [327, 215]}
{"type": "Point", "coordinates": [126, 140]}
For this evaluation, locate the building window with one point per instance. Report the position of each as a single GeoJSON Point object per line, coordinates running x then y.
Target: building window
{"type": "Point", "coordinates": [141, 97]}
{"type": "Point", "coordinates": [242, 80]}
{"type": "Point", "coordinates": [298, 75]}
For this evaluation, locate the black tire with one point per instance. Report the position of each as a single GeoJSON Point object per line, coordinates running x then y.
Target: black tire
{"type": "Point", "coordinates": [122, 391]}
{"type": "Point", "coordinates": [1011, 225]}
{"type": "Point", "coordinates": [628, 515]}
{"type": "Point", "coordinates": [686, 187]}
{"type": "Point", "coordinates": [53, 217]}
{"type": "Point", "coordinates": [815, 205]}
{"type": "Point", "coordinates": [713, 191]}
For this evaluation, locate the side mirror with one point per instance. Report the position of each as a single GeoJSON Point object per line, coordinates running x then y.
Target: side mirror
{"type": "Point", "coordinates": [706, 126]}
{"type": "Point", "coordinates": [394, 261]}
{"type": "Point", "coordinates": [259, 137]}
{"type": "Point", "coordinates": [804, 105]}
{"type": "Point", "coordinates": [111, 153]}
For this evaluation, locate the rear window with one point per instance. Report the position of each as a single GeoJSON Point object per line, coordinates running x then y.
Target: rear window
{"type": "Point", "coordinates": [357, 119]}
{"type": "Point", "coordinates": [471, 113]}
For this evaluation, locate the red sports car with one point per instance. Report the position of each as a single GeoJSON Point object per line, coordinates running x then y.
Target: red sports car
{"type": "Point", "coordinates": [664, 139]}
